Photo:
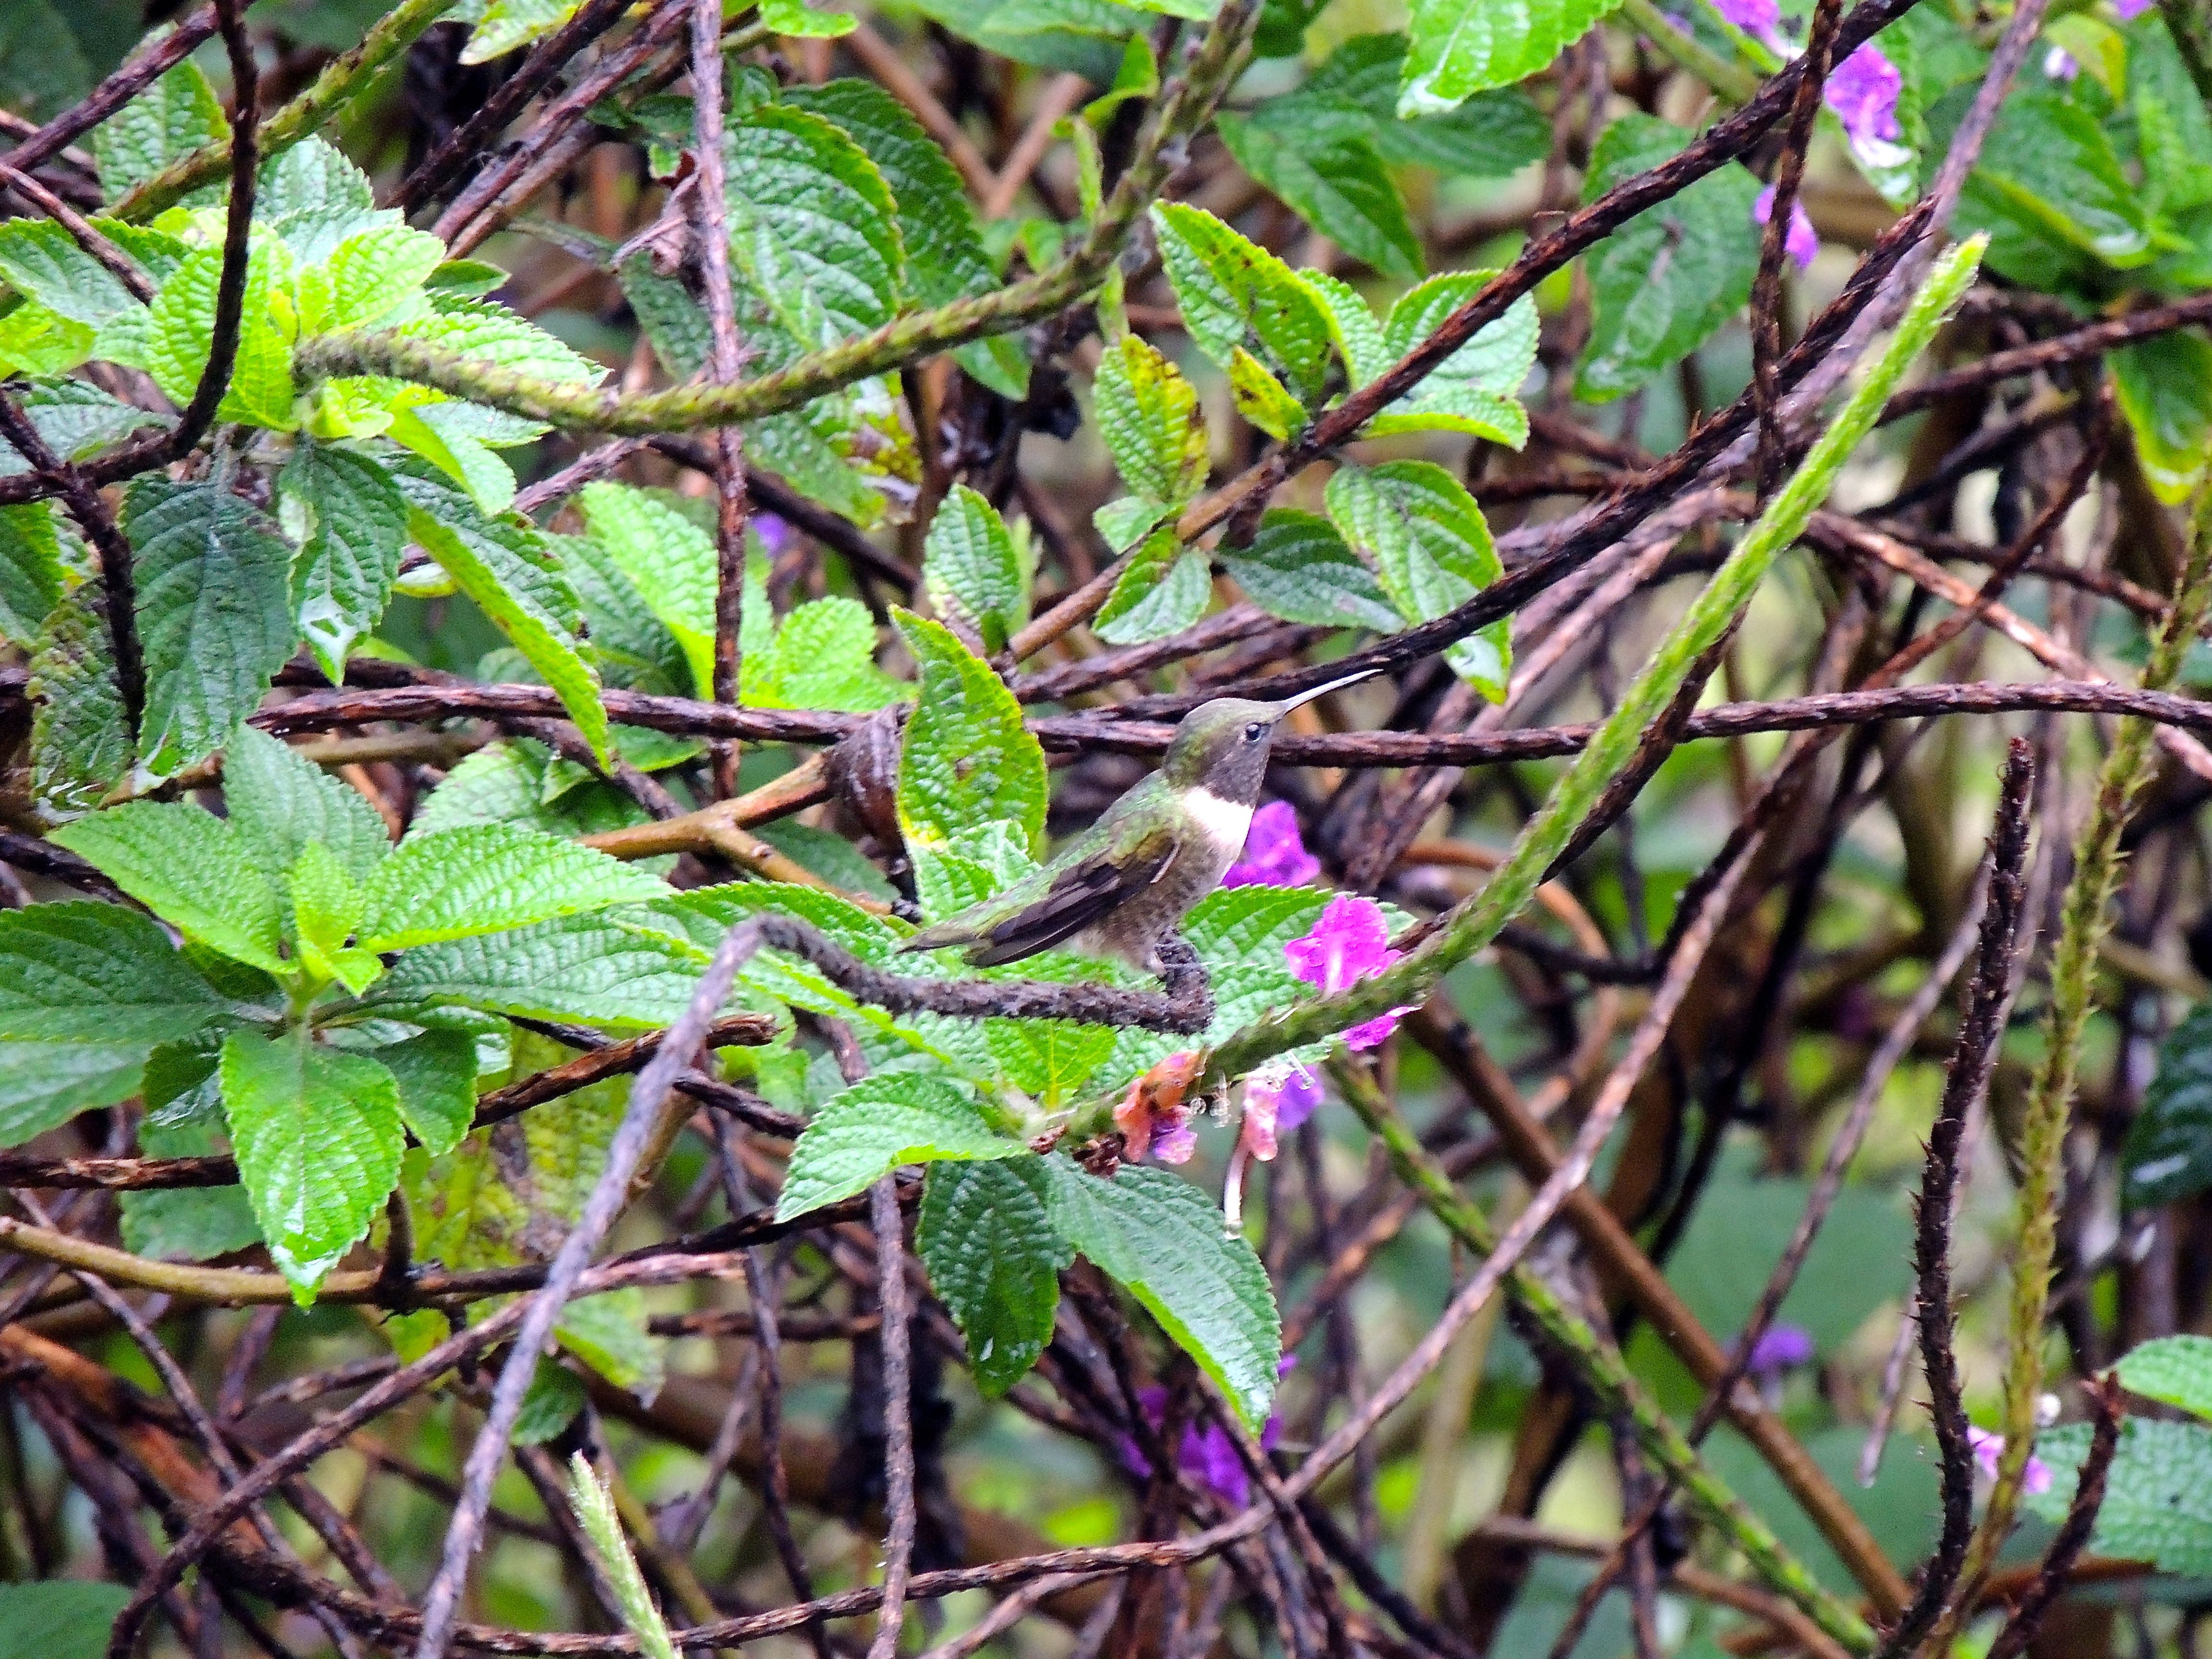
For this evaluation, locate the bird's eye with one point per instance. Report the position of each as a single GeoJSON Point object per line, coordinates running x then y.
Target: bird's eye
{"type": "Point", "coordinates": [1255, 732]}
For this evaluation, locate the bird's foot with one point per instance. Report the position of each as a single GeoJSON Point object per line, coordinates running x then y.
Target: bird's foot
{"type": "Point", "coordinates": [1183, 976]}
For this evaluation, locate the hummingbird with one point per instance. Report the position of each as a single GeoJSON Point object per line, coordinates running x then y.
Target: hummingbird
{"type": "Point", "coordinates": [1122, 887]}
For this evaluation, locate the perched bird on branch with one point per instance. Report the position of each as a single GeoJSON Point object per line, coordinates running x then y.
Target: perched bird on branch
{"type": "Point", "coordinates": [1123, 886]}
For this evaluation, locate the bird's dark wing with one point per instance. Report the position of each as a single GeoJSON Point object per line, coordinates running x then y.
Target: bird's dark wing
{"type": "Point", "coordinates": [1080, 894]}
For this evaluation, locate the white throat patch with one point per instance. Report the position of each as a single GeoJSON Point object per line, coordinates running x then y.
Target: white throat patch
{"type": "Point", "coordinates": [1225, 822]}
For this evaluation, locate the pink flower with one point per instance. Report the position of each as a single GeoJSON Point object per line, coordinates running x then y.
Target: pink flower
{"type": "Point", "coordinates": [1278, 1098]}
{"type": "Point", "coordinates": [1155, 1117]}
{"type": "Point", "coordinates": [1349, 942]}
{"type": "Point", "coordinates": [2058, 64]}
{"type": "Point", "coordinates": [1802, 242]}
{"type": "Point", "coordinates": [2130, 9]}
{"type": "Point", "coordinates": [1272, 853]}
{"type": "Point", "coordinates": [2035, 1478]}
{"type": "Point", "coordinates": [1864, 92]}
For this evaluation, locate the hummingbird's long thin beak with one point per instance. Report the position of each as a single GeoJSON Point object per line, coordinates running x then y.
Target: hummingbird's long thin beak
{"type": "Point", "coordinates": [1303, 697]}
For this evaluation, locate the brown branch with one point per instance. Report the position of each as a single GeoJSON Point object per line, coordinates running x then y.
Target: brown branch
{"type": "Point", "coordinates": [2056, 1570]}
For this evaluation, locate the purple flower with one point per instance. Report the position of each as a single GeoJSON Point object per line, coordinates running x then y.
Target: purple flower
{"type": "Point", "coordinates": [1349, 942]}
{"type": "Point", "coordinates": [1864, 92]}
{"type": "Point", "coordinates": [2130, 9]}
{"type": "Point", "coordinates": [1272, 853]}
{"type": "Point", "coordinates": [1781, 1348]}
{"type": "Point", "coordinates": [2058, 64]}
{"type": "Point", "coordinates": [1207, 1454]}
{"type": "Point", "coordinates": [1278, 1097]}
{"type": "Point", "coordinates": [2035, 1478]}
{"type": "Point", "coordinates": [1758, 19]}
{"type": "Point", "coordinates": [1802, 242]}
{"type": "Point", "coordinates": [775, 533]}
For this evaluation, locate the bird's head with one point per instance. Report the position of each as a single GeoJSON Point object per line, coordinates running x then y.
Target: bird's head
{"type": "Point", "coordinates": [1222, 746]}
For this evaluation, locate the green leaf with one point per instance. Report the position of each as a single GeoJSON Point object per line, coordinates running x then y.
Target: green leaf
{"type": "Point", "coordinates": [167, 122]}
{"type": "Point", "coordinates": [1298, 567]}
{"type": "Point", "coordinates": [180, 324]}
{"type": "Point", "coordinates": [1261, 398]}
{"type": "Point", "coordinates": [441, 433]}
{"type": "Point", "coordinates": [875, 1126]}
{"type": "Point", "coordinates": [945, 257]}
{"type": "Point", "coordinates": [1334, 179]}
{"type": "Point", "coordinates": [2158, 1496]}
{"type": "Point", "coordinates": [353, 529]}
{"type": "Point", "coordinates": [667, 558]}
{"type": "Point", "coordinates": [1148, 415]}
{"type": "Point", "coordinates": [215, 613]}
{"type": "Point", "coordinates": [59, 1619]}
{"type": "Point", "coordinates": [1488, 137]}
{"type": "Point", "coordinates": [317, 1139]}
{"type": "Point", "coordinates": [1165, 1241]}
{"type": "Point", "coordinates": [315, 198]}
{"type": "Point", "coordinates": [373, 272]}
{"type": "Point", "coordinates": [2175, 1370]}
{"type": "Point", "coordinates": [1127, 521]}
{"type": "Point", "coordinates": [821, 656]}
{"type": "Point", "coordinates": [1430, 548]}
{"type": "Point", "coordinates": [44, 262]}
{"type": "Point", "coordinates": [1662, 282]}
{"type": "Point", "coordinates": [436, 1075]}
{"type": "Point", "coordinates": [80, 746]}
{"type": "Point", "coordinates": [189, 867]}
{"type": "Point", "coordinates": [503, 566]}
{"type": "Point", "coordinates": [2049, 181]}
{"type": "Point", "coordinates": [994, 1261]}
{"type": "Point", "coordinates": [812, 225]}
{"type": "Point", "coordinates": [486, 878]}
{"type": "Point", "coordinates": [971, 570]}
{"type": "Point", "coordinates": [1235, 295]}
{"type": "Point", "coordinates": [967, 757]}
{"type": "Point", "coordinates": [44, 1084]}
{"type": "Point", "coordinates": [802, 22]}
{"type": "Point", "coordinates": [1473, 390]}
{"type": "Point", "coordinates": [634, 647]}
{"type": "Point", "coordinates": [30, 570]}
{"type": "Point", "coordinates": [326, 909]}
{"type": "Point", "coordinates": [2165, 389]}
{"type": "Point", "coordinates": [42, 66]}
{"type": "Point", "coordinates": [1164, 589]}
{"type": "Point", "coordinates": [278, 801]}
{"type": "Point", "coordinates": [184, 1105]}
{"type": "Point", "coordinates": [556, 1394]}
{"type": "Point", "coordinates": [1358, 336]}
{"type": "Point", "coordinates": [493, 337]}
{"type": "Point", "coordinates": [1459, 47]}
{"type": "Point", "coordinates": [2173, 129]}
{"type": "Point", "coordinates": [2167, 1156]}
{"type": "Point", "coordinates": [1047, 1060]}
{"type": "Point", "coordinates": [505, 25]}
{"type": "Point", "coordinates": [595, 967]}
{"type": "Point", "coordinates": [610, 1334]}
{"type": "Point", "coordinates": [75, 419]}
